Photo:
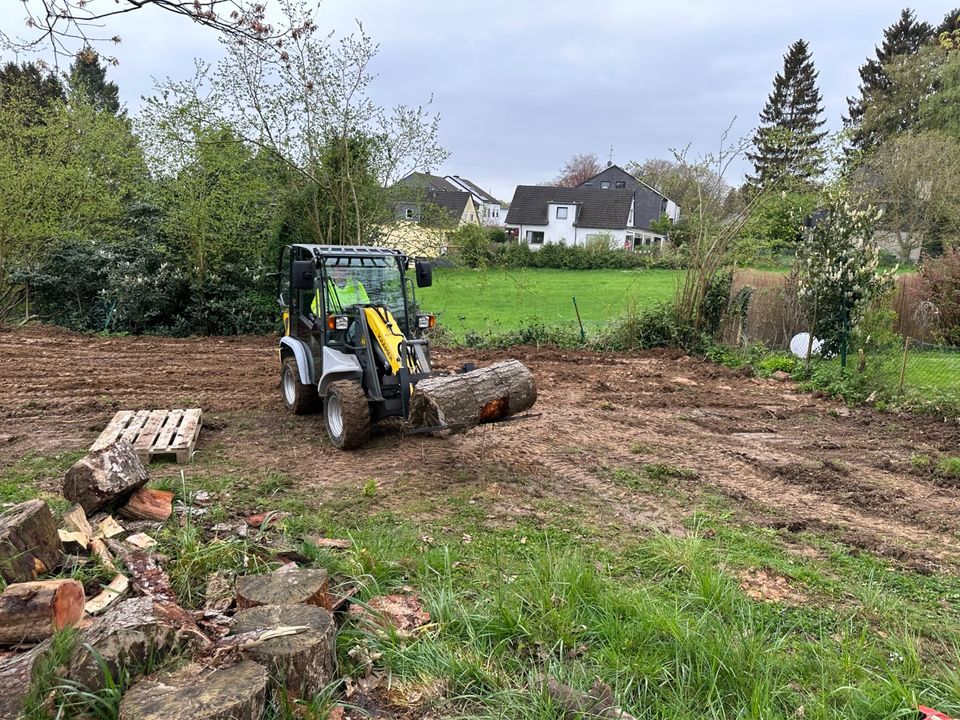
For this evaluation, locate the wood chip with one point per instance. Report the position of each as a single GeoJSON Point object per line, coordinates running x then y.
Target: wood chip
{"type": "Point", "coordinates": [142, 541]}
{"type": "Point", "coordinates": [115, 590]}
{"type": "Point", "coordinates": [68, 537]}
{"type": "Point", "coordinates": [109, 527]}
{"type": "Point", "coordinates": [329, 543]}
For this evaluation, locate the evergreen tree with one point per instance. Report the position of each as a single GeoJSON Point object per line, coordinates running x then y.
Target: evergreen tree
{"type": "Point", "coordinates": [89, 76]}
{"type": "Point", "coordinates": [29, 82]}
{"type": "Point", "coordinates": [951, 22]}
{"type": "Point", "coordinates": [904, 38]}
{"type": "Point", "coordinates": [788, 143]}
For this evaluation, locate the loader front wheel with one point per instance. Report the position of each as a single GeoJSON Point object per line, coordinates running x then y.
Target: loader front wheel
{"type": "Point", "coordinates": [300, 399]}
{"type": "Point", "coordinates": [347, 413]}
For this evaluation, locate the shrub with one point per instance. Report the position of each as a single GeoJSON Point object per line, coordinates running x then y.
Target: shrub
{"type": "Point", "coordinates": [940, 286]}
{"type": "Point", "coordinates": [468, 245]}
{"type": "Point", "coordinates": [578, 257]}
{"type": "Point", "coordinates": [642, 330]}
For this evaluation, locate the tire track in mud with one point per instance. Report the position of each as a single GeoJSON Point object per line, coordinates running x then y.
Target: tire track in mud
{"type": "Point", "coordinates": [787, 453]}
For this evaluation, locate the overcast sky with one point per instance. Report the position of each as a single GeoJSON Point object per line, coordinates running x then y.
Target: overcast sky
{"type": "Point", "coordinates": [520, 86]}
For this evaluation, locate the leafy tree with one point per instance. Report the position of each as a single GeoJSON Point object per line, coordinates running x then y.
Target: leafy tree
{"type": "Point", "coordinates": [578, 169]}
{"type": "Point", "coordinates": [89, 76]}
{"type": "Point", "coordinates": [915, 178]}
{"type": "Point", "coordinates": [940, 286]}
{"type": "Point", "coordinates": [776, 222]}
{"type": "Point", "coordinates": [469, 244]}
{"type": "Point", "coordinates": [902, 39]}
{"type": "Point", "coordinates": [680, 181]}
{"type": "Point", "coordinates": [788, 143]}
{"type": "Point", "coordinates": [66, 171]}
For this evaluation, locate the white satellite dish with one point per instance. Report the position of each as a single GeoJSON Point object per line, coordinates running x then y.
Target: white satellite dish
{"type": "Point", "coordinates": [800, 343]}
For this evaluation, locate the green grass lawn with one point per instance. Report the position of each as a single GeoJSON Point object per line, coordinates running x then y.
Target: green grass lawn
{"type": "Point", "coordinates": [493, 301]}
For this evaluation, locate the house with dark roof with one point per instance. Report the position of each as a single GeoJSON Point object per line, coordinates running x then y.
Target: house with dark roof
{"type": "Point", "coordinates": [611, 205]}
{"type": "Point", "coordinates": [490, 210]}
{"type": "Point", "coordinates": [426, 209]}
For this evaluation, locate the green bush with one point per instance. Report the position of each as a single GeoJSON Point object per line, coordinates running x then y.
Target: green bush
{"type": "Point", "coordinates": [578, 257]}
{"type": "Point", "coordinates": [645, 329]}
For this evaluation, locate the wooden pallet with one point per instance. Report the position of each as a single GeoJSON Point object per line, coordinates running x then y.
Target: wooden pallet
{"type": "Point", "coordinates": [155, 433]}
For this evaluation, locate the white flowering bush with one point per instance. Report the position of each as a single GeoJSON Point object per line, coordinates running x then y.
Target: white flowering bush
{"type": "Point", "coordinates": [838, 269]}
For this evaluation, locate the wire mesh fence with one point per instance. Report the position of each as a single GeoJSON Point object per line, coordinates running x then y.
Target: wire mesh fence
{"type": "Point", "coordinates": [901, 361]}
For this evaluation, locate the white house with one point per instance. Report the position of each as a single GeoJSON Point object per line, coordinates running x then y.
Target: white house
{"type": "Point", "coordinates": [490, 210]}
{"type": "Point", "coordinates": [611, 204]}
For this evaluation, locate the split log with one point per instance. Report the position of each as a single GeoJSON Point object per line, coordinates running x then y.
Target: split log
{"type": "Point", "coordinates": [599, 702]}
{"type": "Point", "coordinates": [16, 674]}
{"type": "Point", "coordinates": [129, 635]}
{"type": "Point", "coordinates": [29, 542]}
{"type": "Point", "coordinates": [460, 402]}
{"type": "Point", "coordinates": [308, 587]}
{"type": "Point", "coordinates": [33, 611]}
{"type": "Point", "coordinates": [99, 548]}
{"type": "Point", "coordinates": [104, 477]}
{"type": "Point", "coordinates": [302, 662]}
{"type": "Point", "coordinates": [238, 692]}
{"type": "Point", "coordinates": [75, 520]}
{"type": "Point", "coordinates": [149, 504]}
{"type": "Point", "coordinates": [109, 528]}
{"type": "Point", "coordinates": [142, 541]}
{"type": "Point", "coordinates": [149, 577]}
{"type": "Point", "coordinates": [116, 590]}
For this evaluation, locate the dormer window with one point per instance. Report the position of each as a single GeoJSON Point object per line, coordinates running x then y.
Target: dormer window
{"type": "Point", "coordinates": [561, 213]}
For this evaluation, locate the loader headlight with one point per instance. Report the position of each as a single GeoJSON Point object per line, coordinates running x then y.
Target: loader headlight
{"type": "Point", "coordinates": [337, 322]}
{"type": "Point", "coordinates": [426, 321]}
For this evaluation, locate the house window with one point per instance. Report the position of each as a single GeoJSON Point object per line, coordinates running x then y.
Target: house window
{"type": "Point", "coordinates": [561, 213]}
{"type": "Point", "coordinates": [535, 237]}
{"type": "Point", "coordinates": [604, 184]}
{"type": "Point", "coordinates": [409, 213]}
{"type": "Point", "coordinates": [621, 184]}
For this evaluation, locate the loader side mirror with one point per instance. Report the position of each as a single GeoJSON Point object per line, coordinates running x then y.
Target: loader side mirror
{"type": "Point", "coordinates": [302, 274]}
{"type": "Point", "coordinates": [424, 273]}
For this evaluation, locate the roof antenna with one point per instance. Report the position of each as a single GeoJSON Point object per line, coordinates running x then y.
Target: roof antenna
{"type": "Point", "coordinates": [610, 157]}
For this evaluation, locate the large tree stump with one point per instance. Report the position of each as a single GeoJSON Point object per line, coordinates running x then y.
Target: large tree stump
{"type": "Point", "coordinates": [104, 477]}
{"type": "Point", "coordinates": [33, 611]}
{"type": "Point", "coordinates": [307, 587]}
{"type": "Point", "coordinates": [149, 504]}
{"type": "Point", "coordinates": [460, 402]}
{"type": "Point", "coordinates": [29, 542]}
{"type": "Point", "coordinates": [16, 673]}
{"type": "Point", "coordinates": [128, 635]}
{"type": "Point", "coordinates": [303, 663]}
{"type": "Point", "coordinates": [238, 692]}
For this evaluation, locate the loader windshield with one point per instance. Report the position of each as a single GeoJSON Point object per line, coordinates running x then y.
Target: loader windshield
{"type": "Point", "coordinates": [350, 281]}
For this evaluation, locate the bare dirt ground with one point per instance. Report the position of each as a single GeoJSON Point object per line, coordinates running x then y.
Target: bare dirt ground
{"type": "Point", "coordinates": [781, 458]}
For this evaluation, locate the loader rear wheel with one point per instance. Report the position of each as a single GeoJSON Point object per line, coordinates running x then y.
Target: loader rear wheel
{"type": "Point", "coordinates": [347, 413]}
{"type": "Point", "coordinates": [299, 398]}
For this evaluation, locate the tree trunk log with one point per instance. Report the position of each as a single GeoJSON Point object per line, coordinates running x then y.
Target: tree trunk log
{"type": "Point", "coordinates": [238, 692]}
{"type": "Point", "coordinates": [127, 636]}
{"type": "Point", "coordinates": [149, 504]}
{"type": "Point", "coordinates": [459, 402]}
{"type": "Point", "coordinates": [33, 611]}
{"type": "Point", "coordinates": [307, 587]}
{"type": "Point", "coordinates": [29, 542]}
{"type": "Point", "coordinates": [304, 662]}
{"type": "Point", "coordinates": [104, 477]}
{"type": "Point", "coordinates": [16, 673]}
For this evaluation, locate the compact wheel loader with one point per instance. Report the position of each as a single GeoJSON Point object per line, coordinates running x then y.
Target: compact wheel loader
{"type": "Point", "coordinates": [353, 343]}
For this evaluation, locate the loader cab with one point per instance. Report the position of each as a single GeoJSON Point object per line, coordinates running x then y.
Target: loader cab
{"type": "Point", "coordinates": [350, 316]}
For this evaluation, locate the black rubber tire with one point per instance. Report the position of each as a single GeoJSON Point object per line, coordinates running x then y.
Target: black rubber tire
{"type": "Point", "coordinates": [305, 398]}
{"type": "Point", "coordinates": [354, 414]}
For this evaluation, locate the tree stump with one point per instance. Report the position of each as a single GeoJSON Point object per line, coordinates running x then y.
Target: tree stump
{"type": "Point", "coordinates": [307, 587]}
{"type": "Point", "coordinates": [104, 477]}
{"type": "Point", "coordinates": [459, 402]}
{"type": "Point", "coordinates": [238, 692]}
{"type": "Point", "coordinates": [29, 542]}
{"type": "Point", "coordinates": [16, 673]}
{"type": "Point", "coordinates": [149, 504]}
{"type": "Point", "coordinates": [128, 635]}
{"type": "Point", "coordinates": [33, 611]}
{"type": "Point", "coordinates": [303, 663]}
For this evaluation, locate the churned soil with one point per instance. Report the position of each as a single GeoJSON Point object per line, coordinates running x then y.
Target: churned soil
{"type": "Point", "coordinates": [779, 457]}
